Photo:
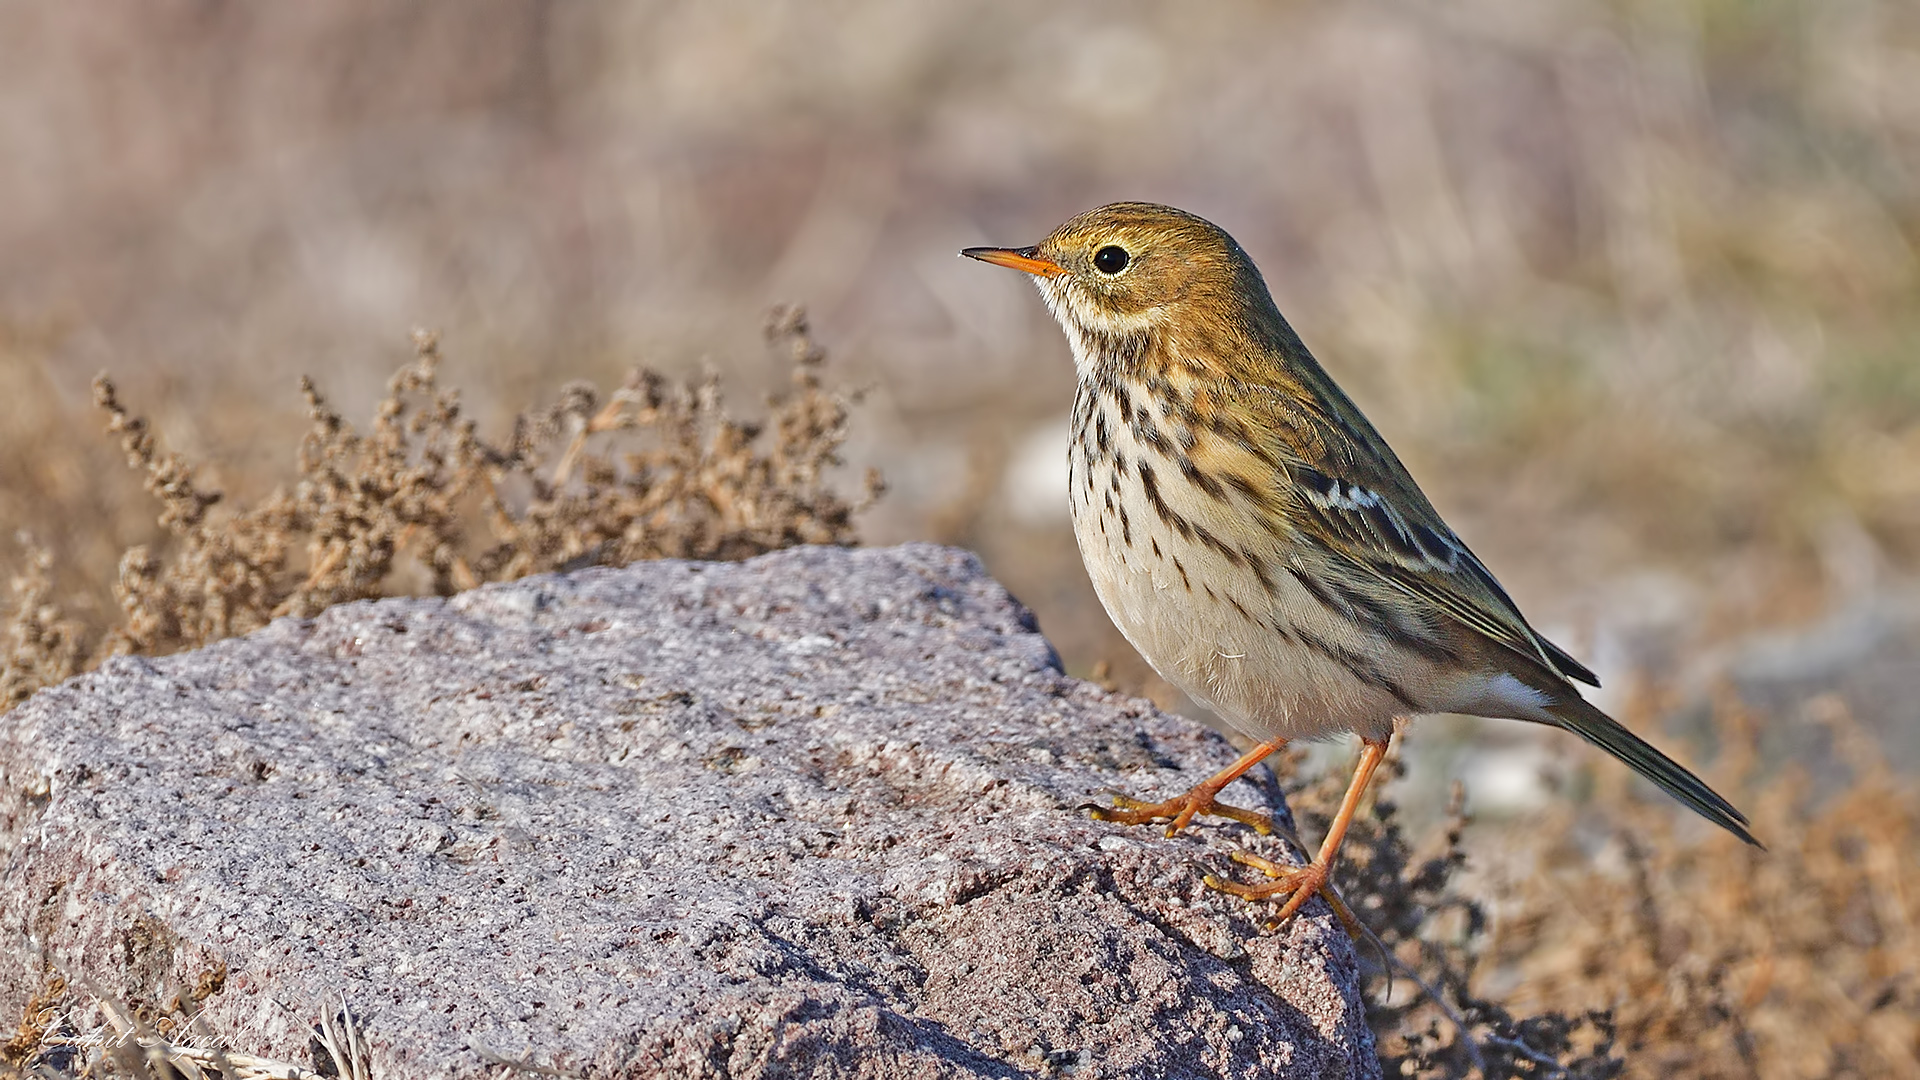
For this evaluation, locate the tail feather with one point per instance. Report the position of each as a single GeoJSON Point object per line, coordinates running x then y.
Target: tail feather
{"type": "Point", "coordinates": [1603, 731]}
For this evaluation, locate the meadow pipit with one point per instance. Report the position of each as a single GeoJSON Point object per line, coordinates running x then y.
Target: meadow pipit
{"type": "Point", "coordinates": [1258, 542]}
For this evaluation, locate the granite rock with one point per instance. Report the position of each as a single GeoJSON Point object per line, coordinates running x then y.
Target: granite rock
{"type": "Point", "coordinates": [808, 815]}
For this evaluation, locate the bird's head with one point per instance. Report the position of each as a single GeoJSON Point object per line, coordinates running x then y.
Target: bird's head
{"type": "Point", "coordinates": [1131, 268]}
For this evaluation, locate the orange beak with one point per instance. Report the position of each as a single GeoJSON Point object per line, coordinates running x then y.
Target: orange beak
{"type": "Point", "coordinates": [1018, 258]}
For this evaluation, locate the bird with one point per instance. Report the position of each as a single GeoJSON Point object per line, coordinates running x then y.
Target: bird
{"type": "Point", "coordinates": [1255, 539]}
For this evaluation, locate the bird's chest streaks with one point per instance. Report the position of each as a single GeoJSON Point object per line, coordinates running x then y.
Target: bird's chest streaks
{"type": "Point", "coordinates": [1131, 509]}
{"type": "Point", "coordinates": [1198, 583]}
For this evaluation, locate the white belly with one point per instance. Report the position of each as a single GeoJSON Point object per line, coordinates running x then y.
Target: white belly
{"type": "Point", "coordinates": [1208, 623]}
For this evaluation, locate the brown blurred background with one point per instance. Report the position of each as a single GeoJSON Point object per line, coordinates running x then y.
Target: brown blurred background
{"type": "Point", "coordinates": [1632, 287]}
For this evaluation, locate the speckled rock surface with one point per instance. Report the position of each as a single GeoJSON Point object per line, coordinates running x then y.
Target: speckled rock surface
{"type": "Point", "coordinates": [809, 815]}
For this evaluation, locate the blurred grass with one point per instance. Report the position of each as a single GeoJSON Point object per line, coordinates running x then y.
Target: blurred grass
{"type": "Point", "coordinates": [1632, 286]}
{"type": "Point", "coordinates": [1625, 282]}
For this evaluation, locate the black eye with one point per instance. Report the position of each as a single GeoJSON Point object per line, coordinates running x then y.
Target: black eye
{"type": "Point", "coordinates": [1110, 259]}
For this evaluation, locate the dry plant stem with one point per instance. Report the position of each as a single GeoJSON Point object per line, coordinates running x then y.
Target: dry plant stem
{"type": "Point", "coordinates": [211, 1061]}
{"type": "Point", "coordinates": [1720, 962]}
{"type": "Point", "coordinates": [339, 1035]}
{"type": "Point", "coordinates": [1301, 883]}
{"type": "Point", "coordinates": [1432, 931]}
{"type": "Point", "coordinates": [1197, 800]}
{"type": "Point", "coordinates": [128, 1046]}
{"type": "Point", "coordinates": [215, 1055]}
{"type": "Point", "coordinates": [1463, 1032]}
{"type": "Point", "coordinates": [420, 503]}
{"type": "Point", "coordinates": [41, 646]}
{"type": "Point", "coordinates": [611, 417]}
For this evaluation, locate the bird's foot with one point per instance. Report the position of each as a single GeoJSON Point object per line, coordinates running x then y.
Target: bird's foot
{"type": "Point", "coordinates": [1180, 811]}
{"type": "Point", "coordinates": [1297, 883]}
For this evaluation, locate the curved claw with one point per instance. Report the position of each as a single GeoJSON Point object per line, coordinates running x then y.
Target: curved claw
{"type": "Point", "coordinates": [1297, 883]}
{"type": "Point", "coordinates": [1182, 809]}
{"type": "Point", "coordinates": [1266, 866]}
{"type": "Point", "coordinates": [1179, 811]}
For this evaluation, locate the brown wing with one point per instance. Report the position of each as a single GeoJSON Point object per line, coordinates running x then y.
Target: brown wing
{"type": "Point", "coordinates": [1375, 521]}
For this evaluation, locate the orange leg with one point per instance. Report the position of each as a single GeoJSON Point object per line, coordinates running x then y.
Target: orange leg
{"type": "Point", "coordinates": [1199, 800]}
{"type": "Point", "coordinates": [1298, 883]}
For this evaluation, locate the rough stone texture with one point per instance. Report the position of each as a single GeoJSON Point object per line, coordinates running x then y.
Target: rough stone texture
{"type": "Point", "coordinates": [810, 815]}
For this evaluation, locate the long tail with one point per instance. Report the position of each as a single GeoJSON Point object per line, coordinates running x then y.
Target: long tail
{"type": "Point", "coordinates": [1603, 731]}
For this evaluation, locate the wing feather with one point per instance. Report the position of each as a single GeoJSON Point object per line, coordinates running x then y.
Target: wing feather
{"type": "Point", "coordinates": [1372, 517]}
